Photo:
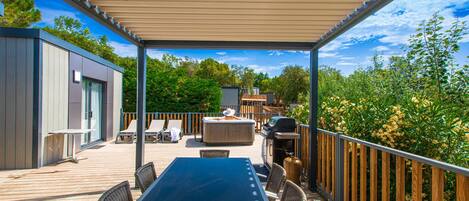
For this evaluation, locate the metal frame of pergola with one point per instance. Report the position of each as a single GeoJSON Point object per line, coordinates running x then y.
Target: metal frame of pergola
{"type": "Point", "coordinates": [367, 9]}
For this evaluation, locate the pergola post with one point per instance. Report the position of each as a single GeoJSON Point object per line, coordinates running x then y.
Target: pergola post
{"type": "Point", "coordinates": [141, 84]}
{"type": "Point", "coordinates": [313, 112]}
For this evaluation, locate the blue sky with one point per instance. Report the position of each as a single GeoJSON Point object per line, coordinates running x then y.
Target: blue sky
{"type": "Point", "coordinates": [385, 32]}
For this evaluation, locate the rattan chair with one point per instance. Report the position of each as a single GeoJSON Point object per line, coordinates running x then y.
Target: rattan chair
{"type": "Point", "coordinates": [292, 192]}
{"type": "Point", "coordinates": [145, 176]}
{"type": "Point", "coordinates": [120, 192]}
{"type": "Point", "coordinates": [275, 181]}
{"type": "Point", "coordinates": [214, 153]}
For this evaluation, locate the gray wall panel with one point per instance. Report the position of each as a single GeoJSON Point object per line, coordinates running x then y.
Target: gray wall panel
{"type": "Point", "coordinates": [109, 103]}
{"type": "Point", "coordinates": [16, 96]}
{"type": "Point", "coordinates": [94, 70]}
{"type": "Point", "coordinates": [75, 97]}
{"type": "Point", "coordinates": [76, 63]}
{"type": "Point", "coordinates": [29, 103]}
{"type": "Point", "coordinates": [117, 105]}
{"type": "Point", "coordinates": [54, 101]}
{"type": "Point", "coordinates": [10, 129]}
{"type": "Point", "coordinates": [20, 103]}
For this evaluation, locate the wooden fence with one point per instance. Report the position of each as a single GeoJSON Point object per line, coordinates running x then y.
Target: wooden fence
{"type": "Point", "coordinates": [192, 121]}
{"type": "Point", "coordinates": [348, 170]}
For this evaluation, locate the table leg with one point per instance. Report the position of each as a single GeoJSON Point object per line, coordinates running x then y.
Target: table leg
{"type": "Point", "coordinates": [74, 159]}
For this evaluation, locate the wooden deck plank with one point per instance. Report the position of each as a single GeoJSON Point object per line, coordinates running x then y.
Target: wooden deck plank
{"type": "Point", "coordinates": [102, 167]}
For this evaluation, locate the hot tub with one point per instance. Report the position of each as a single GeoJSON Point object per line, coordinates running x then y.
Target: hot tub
{"type": "Point", "coordinates": [218, 131]}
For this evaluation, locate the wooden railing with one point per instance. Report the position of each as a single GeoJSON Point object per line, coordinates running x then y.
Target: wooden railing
{"type": "Point", "coordinates": [352, 169]}
{"type": "Point", "coordinates": [192, 121]}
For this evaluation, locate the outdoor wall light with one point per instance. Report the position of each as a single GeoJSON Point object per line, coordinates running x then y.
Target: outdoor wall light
{"type": "Point", "coordinates": [76, 76]}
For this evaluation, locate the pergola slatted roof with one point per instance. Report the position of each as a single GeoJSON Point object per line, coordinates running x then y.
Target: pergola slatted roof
{"type": "Point", "coordinates": [277, 21]}
{"type": "Point", "coordinates": [204, 20]}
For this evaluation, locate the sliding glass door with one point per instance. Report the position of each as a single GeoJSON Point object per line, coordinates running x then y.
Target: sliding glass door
{"type": "Point", "coordinates": [92, 110]}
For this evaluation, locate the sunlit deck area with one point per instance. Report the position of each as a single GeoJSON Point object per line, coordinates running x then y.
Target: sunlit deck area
{"type": "Point", "coordinates": [102, 167]}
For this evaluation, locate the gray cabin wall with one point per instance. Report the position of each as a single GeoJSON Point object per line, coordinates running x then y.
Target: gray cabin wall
{"type": "Point", "coordinates": [16, 102]}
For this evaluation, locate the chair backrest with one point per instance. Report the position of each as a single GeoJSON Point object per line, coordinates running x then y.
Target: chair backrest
{"type": "Point", "coordinates": [120, 192]}
{"type": "Point", "coordinates": [132, 125]}
{"type": "Point", "coordinates": [292, 192]}
{"type": "Point", "coordinates": [276, 178]}
{"type": "Point", "coordinates": [174, 124]}
{"type": "Point", "coordinates": [145, 176]}
{"type": "Point", "coordinates": [214, 153]}
{"type": "Point", "coordinates": [157, 124]}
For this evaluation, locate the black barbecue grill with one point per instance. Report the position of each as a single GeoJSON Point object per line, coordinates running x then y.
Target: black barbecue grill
{"type": "Point", "coordinates": [279, 135]}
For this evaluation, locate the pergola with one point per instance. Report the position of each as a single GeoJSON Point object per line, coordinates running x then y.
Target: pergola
{"type": "Point", "coordinates": [304, 25]}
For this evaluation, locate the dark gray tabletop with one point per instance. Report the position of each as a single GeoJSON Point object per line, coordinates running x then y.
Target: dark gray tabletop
{"type": "Point", "coordinates": [204, 179]}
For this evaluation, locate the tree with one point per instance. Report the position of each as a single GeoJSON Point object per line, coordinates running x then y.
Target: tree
{"type": "Point", "coordinates": [259, 80]}
{"type": "Point", "coordinates": [247, 78]}
{"type": "Point", "coordinates": [294, 81]}
{"type": "Point", "coordinates": [20, 14]}
{"type": "Point", "coordinates": [432, 51]}
{"type": "Point", "coordinates": [212, 69]}
{"type": "Point", "coordinates": [72, 30]}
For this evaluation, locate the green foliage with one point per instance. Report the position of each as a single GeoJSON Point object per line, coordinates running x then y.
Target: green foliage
{"type": "Point", "coordinates": [247, 77]}
{"type": "Point", "coordinates": [417, 103]}
{"type": "Point", "coordinates": [260, 81]}
{"type": "Point", "coordinates": [72, 30]}
{"type": "Point", "coordinates": [129, 83]}
{"type": "Point", "coordinates": [219, 72]}
{"type": "Point", "coordinates": [293, 81]}
{"type": "Point", "coordinates": [19, 14]}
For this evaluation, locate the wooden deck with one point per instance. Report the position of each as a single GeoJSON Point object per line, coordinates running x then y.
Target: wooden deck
{"type": "Point", "coordinates": [102, 167]}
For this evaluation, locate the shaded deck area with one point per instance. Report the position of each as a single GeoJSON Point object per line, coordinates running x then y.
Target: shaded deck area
{"type": "Point", "coordinates": [104, 166]}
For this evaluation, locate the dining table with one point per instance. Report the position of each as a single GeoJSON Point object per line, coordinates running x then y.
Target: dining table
{"type": "Point", "coordinates": [207, 179]}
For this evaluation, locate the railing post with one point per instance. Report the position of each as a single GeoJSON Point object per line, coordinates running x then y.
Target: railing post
{"type": "Point", "coordinates": [339, 167]}
{"type": "Point", "coordinates": [189, 123]}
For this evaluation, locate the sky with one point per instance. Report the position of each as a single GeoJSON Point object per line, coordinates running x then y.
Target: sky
{"type": "Point", "coordinates": [386, 33]}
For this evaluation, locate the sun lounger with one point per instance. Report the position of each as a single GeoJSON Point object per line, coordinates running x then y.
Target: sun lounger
{"type": "Point", "coordinates": [128, 134]}
{"type": "Point", "coordinates": [174, 126]}
{"type": "Point", "coordinates": [155, 129]}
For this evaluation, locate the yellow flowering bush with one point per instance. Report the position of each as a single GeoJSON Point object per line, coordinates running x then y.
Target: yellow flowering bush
{"type": "Point", "coordinates": [392, 130]}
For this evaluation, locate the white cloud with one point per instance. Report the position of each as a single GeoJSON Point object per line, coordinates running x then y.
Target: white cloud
{"type": "Point", "coordinates": [394, 24]}
{"type": "Point", "coordinates": [156, 54]}
{"type": "Point", "coordinates": [225, 59]}
{"type": "Point", "coordinates": [347, 58]}
{"type": "Point", "coordinates": [265, 69]}
{"type": "Point", "coordinates": [275, 52]}
{"type": "Point", "coordinates": [298, 52]}
{"type": "Point", "coordinates": [380, 48]}
{"type": "Point", "coordinates": [124, 50]}
{"type": "Point", "coordinates": [221, 53]}
{"type": "Point", "coordinates": [284, 63]}
{"type": "Point", "coordinates": [327, 54]}
{"type": "Point", "coordinates": [342, 63]}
